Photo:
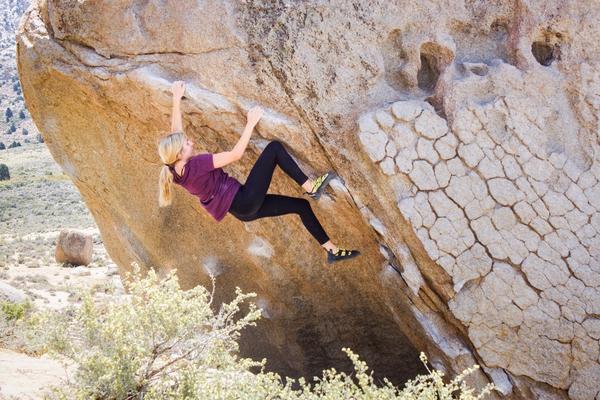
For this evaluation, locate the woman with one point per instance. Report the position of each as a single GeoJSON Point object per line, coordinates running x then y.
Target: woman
{"type": "Point", "coordinates": [202, 175]}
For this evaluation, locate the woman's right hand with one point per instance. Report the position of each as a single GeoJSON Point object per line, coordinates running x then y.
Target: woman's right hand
{"type": "Point", "coordinates": [254, 115]}
{"type": "Point", "coordinates": [178, 89]}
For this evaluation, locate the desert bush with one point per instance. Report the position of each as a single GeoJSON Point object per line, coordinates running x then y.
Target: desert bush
{"type": "Point", "coordinates": [14, 311]}
{"type": "Point", "coordinates": [12, 318]}
{"type": "Point", "coordinates": [147, 341]}
{"type": "Point", "coordinates": [160, 342]}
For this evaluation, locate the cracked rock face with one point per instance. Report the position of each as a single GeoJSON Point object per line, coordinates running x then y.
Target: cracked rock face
{"type": "Point", "coordinates": [508, 211]}
{"type": "Point", "coordinates": [468, 141]}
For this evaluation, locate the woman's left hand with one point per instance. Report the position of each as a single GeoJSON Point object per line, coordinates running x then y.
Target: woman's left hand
{"type": "Point", "coordinates": [254, 115]}
{"type": "Point", "coordinates": [178, 89]}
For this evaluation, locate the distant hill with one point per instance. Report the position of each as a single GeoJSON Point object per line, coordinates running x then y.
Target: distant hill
{"type": "Point", "coordinates": [15, 122]}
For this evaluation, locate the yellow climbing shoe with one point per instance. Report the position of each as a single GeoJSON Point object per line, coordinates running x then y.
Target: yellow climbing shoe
{"type": "Point", "coordinates": [320, 184]}
{"type": "Point", "coordinates": [342, 254]}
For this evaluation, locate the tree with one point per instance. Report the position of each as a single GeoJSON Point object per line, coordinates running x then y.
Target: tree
{"type": "Point", "coordinates": [4, 173]}
{"type": "Point", "coordinates": [22, 114]}
{"type": "Point", "coordinates": [8, 114]}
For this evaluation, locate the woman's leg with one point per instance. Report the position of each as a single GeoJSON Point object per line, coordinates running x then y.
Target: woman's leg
{"type": "Point", "coordinates": [259, 179]}
{"type": "Point", "coordinates": [276, 204]}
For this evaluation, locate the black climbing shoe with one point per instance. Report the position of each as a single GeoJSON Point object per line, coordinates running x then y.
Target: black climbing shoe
{"type": "Point", "coordinates": [319, 185]}
{"type": "Point", "coordinates": [342, 254]}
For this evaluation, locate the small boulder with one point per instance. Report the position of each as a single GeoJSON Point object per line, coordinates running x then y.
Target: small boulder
{"type": "Point", "coordinates": [74, 247]}
{"type": "Point", "coordinates": [11, 293]}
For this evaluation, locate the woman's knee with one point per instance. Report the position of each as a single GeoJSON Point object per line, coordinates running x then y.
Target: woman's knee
{"type": "Point", "coordinates": [274, 144]}
{"type": "Point", "coordinates": [298, 206]}
{"type": "Point", "coordinates": [304, 204]}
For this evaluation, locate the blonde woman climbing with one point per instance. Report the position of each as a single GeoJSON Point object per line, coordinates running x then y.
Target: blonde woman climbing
{"type": "Point", "coordinates": [202, 176]}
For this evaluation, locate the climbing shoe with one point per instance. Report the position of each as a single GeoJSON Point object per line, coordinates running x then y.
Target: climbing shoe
{"type": "Point", "coordinates": [342, 254]}
{"type": "Point", "coordinates": [320, 184]}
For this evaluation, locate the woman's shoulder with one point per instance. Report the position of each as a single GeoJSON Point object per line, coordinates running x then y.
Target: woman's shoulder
{"type": "Point", "coordinates": [203, 161]}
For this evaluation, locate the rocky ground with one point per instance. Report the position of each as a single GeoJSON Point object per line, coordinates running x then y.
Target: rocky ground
{"type": "Point", "coordinates": [35, 204]}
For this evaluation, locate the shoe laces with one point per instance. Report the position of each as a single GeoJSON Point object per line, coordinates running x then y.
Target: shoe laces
{"type": "Point", "coordinates": [343, 252]}
{"type": "Point", "coordinates": [319, 181]}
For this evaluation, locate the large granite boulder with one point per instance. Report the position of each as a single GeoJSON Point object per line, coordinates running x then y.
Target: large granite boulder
{"type": "Point", "coordinates": [466, 134]}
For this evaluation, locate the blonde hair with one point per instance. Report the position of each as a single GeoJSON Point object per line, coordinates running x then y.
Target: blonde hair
{"type": "Point", "coordinates": [169, 147]}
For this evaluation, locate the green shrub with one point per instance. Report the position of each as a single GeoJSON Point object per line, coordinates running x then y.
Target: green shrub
{"type": "Point", "coordinates": [159, 342]}
{"type": "Point", "coordinates": [12, 317]}
{"type": "Point", "coordinates": [135, 345]}
{"type": "Point", "coordinates": [14, 311]}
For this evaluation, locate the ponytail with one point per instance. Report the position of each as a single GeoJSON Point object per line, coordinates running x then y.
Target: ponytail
{"type": "Point", "coordinates": [165, 187]}
{"type": "Point", "coordinates": [168, 148]}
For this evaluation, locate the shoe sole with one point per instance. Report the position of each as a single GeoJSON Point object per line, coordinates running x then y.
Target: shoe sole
{"type": "Point", "coordinates": [342, 259]}
{"type": "Point", "coordinates": [321, 188]}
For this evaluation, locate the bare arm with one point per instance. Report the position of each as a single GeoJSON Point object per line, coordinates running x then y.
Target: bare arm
{"type": "Point", "coordinates": [253, 116]}
{"type": "Point", "coordinates": [178, 88]}
{"type": "Point", "coordinates": [241, 145]}
{"type": "Point", "coordinates": [224, 158]}
{"type": "Point", "coordinates": [176, 125]}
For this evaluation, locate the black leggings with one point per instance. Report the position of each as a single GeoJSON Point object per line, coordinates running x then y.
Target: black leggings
{"type": "Point", "coordinates": [252, 201]}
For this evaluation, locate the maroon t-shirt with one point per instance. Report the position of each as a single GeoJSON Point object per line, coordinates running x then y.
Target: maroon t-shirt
{"type": "Point", "coordinates": [213, 186]}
